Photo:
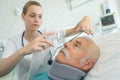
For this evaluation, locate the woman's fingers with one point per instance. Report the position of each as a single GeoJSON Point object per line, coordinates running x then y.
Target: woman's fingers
{"type": "Point", "coordinates": [84, 25]}
{"type": "Point", "coordinates": [50, 33]}
{"type": "Point", "coordinates": [88, 30]}
{"type": "Point", "coordinates": [42, 44]}
{"type": "Point", "coordinates": [45, 42]}
{"type": "Point", "coordinates": [37, 44]}
{"type": "Point", "coordinates": [46, 35]}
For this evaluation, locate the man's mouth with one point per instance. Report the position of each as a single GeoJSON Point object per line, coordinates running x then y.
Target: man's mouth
{"type": "Point", "coordinates": [66, 53]}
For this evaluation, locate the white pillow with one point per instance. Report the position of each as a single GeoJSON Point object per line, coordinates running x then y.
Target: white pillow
{"type": "Point", "coordinates": [108, 65]}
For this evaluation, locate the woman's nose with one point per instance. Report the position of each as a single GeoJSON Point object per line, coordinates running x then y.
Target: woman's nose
{"type": "Point", "coordinates": [36, 19]}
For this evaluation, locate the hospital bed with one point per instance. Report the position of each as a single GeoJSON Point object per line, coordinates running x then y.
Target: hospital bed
{"type": "Point", "coordinates": [108, 65]}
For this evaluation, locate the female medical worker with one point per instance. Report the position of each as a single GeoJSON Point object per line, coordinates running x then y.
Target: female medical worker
{"type": "Point", "coordinates": [18, 50]}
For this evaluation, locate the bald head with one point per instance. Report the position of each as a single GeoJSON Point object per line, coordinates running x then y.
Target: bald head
{"type": "Point", "coordinates": [92, 54]}
{"type": "Point", "coordinates": [92, 49]}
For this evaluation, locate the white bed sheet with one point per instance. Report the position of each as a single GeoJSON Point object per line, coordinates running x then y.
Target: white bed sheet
{"type": "Point", "coordinates": [108, 65]}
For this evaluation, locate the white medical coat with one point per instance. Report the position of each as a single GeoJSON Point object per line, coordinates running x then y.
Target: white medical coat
{"type": "Point", "coordinates": [26, 70]}
{"type": "Point", "coordinates": [15, 43]}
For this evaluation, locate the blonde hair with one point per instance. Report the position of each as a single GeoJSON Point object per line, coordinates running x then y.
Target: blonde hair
{"type": "Point", "coordinates": [29, 3]}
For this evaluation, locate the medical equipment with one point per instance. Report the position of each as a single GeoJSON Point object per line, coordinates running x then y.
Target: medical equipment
{"type": "Point", "coordinates": [57, 39]}
{"type": "Point", "coordinates": [108, 22]}
{"type": "Point", "coordinates": [60, 71]}
{"type": "Point", "coordinates": [70, 39]}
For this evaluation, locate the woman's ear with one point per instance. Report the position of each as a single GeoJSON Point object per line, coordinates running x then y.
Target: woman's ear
{"type": "Point", "coordinates": [23, 16]}
{"type": "Point", "coordinates": [88, 65]}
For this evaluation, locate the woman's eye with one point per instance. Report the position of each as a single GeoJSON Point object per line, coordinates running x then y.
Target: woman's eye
{"type": "Point", "coordinates": [40, 17]}
{"type": "Point", "coordinates": [32, 15]}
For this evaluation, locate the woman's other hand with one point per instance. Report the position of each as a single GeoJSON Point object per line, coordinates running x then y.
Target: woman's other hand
{"type": "Point", "coordinates": [84, 25]}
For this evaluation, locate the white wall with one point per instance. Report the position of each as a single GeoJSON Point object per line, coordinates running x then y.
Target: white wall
{"type": "Point", "coordinates": [57, 15]}
{"type": "Point", "coordinates": [114, 6]}
{"type": "Point", "coordinates": [118, 5]}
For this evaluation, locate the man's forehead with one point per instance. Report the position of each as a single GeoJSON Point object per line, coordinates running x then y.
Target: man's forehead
{"type": "Point", "coordinates": [83, 39]}
{"type": "Point", "coordinates": [79, 38]}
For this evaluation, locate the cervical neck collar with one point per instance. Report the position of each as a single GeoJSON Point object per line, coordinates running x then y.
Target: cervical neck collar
{"type": "Point", "coordinates": [64, 72]}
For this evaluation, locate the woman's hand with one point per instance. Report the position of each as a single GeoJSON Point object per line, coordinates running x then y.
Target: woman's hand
{"type": "Point", "coordinates": [84, 25]}
{"type": "Point", "coordinates": [38, 44]}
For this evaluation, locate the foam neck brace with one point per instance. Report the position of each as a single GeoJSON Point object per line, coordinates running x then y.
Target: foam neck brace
{"type": "Point", "coordinates": [65, 72]}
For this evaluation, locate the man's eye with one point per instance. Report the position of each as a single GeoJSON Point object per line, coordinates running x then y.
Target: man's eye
{"type": "Point", "coordinates": [76, 45]}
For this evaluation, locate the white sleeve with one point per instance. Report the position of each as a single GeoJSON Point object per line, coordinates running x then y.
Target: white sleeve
{"type": "Point", "coordinates": [9, 49]}
{"type": "Point", "coordinates": [39, 63]}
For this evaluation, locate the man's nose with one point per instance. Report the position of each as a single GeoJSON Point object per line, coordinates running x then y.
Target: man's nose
{"type": "Point", "coordinates": [68, 45]}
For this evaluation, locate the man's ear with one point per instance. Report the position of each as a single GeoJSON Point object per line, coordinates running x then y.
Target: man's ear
{"type": "Point", "coordinates": [88, 65]}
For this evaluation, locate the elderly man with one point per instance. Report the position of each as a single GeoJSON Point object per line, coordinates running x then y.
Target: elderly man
{"type": "Point", "coordinates": [73, 61]}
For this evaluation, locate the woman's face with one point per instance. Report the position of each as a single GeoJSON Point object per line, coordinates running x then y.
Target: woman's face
{"type": "Point", "coordinates": [33, 18]}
